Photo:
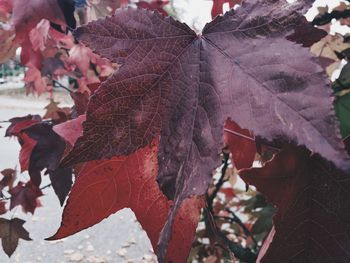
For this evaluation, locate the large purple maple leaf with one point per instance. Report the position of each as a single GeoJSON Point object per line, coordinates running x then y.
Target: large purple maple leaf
{"type": "Point", "coordinates": [182, 87]}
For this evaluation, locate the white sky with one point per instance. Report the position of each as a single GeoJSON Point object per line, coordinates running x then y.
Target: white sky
{"type": "Point", "coordinates": [196, 13]}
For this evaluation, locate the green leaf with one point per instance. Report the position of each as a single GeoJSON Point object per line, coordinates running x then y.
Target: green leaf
{"type": "Point", "coordinates": [343, 81]}
{"type": "Point", "coordinates": [342, 109]}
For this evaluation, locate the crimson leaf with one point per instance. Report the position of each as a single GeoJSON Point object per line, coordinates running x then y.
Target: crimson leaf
{"type": "Point", "coordinates": [312, 221]}
{"type": "Point", "coordinates": [129, 182]}
{"type": "Point", "coordinates": [26, 14]}
{"type": "Point", "coordinates": [25, 195]}
{"type": "Point", "coordinates": [46, 154]}
{"type": "Point", "coordinates": [183, 87]}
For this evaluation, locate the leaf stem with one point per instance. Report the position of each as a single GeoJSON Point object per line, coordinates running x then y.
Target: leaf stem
{"type": "Point", "coordinates": [237, 220]}
{"type": "Point", "coordinates": [60, 85]}
{"type": "Point", "coordinates": [221, 181]}
{"type": "Point", "coordinates": [241, 253]}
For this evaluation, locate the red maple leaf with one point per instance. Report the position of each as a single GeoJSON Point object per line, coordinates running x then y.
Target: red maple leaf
{"type": "Point", "coordinates": [111, 185]}
{"type": "Point", "coordinates": [27, 144]}
{"type": "Point", "coordinates": [312, 223]}
{"type": "Point", "coordinates": [3, 209]}
{"type": "Point", "coordinates": [182, 86]}
{"type": "Point", "coordinates": [34, 79]}
{"type": "Point", "coordinates": [157, 5]}
{"type": "Point", "coordinates": [25, 195]}
{"type": "Point", "coordinates": [70, 130]}
{"type": "Point", "coordinates": [241, 144]}
{"type": "Point", "coordinates": [217, 8]}
{"type": "Point", "coordinates": [9, 176]}
{"type": "Point", "coordinates": [27, 14]}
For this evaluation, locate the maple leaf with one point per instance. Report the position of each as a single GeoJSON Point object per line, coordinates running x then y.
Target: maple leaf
{"type": "Point", "coordinates": [10, 232]}
{"type": "Point", "coordinates": [27, 14]}
{"type": "Point", "coordinates": [241, 144]}
{"type": "Point", "coordinates": [9, 176]}
{"type": "Point", "coordinates": [20, 123]}
{"type": "Point", "coordinates": [110, 185]}
{"type": "Point", "coordinates": [25, 194]}
{"type": "Point", "coordinates": [6, 6]}
{"type": "Point", "coordinates": [7, 47]}
{"type": "Point", "coordinates": [38, 35]}
{"type": "Point", "coordinates": [27, 144]}
{"type": "Point", "coordinates": [81, 56]}
{"type": "Point", "coordinates": [55, 113]}
{"type": "Point", "coordinates": [46, 154]}
{"type": "Point", "coordinates": [107, 7]}
{"type": "Point", "coordinates": [342, 109]}
{"type": "Point", "coordinates": [306, 34]}
{"type": "Point", "coordinates": [3, 209]}
{"type": "Point", "coordinates": [70, 130]}
{"type": "Point", "coordinates": [62, 181]}
{"type": "Point", "coordinates": [272, 91]}
{"type": "Point", "coordinates": [34, 80]}
{"type": "Point", "coordinates": [81, 100]}
{"type": "Point", "coordinates": [182, 87]}
{"type": "Point", "coordinates": [217, 8]}
{"type": "Point", "coordinates": [312, 221]}
{"type": "Point", "coordinates": [52, 67]}
{"type": "Point", "coordinates": [154, 5]}
{"type": "Point", "coordinates": [30, 57]}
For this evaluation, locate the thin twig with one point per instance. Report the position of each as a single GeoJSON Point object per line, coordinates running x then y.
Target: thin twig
{"type": "Point", "coordinates": [237, 220]}
{"type": "Point", "coordinates": [60, 85]}
{"type": "Point", "coordinates": [8, 198]}
{"type": "Point", "coordinates": [221, 181]}
{"type": "Point", "coordinates": [46, 186]}
{"type": "Point", "coordinates": [241, 253]}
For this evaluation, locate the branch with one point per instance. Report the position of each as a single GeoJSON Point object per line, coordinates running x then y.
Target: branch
{"type": "Point", "coordinates": [221, 181]}
{"type": "Point", "coordinates": [8, 198]}
{"type": "Point", "coordinates": [60, 85]}
{"type": "Point", "coordinates": [241, 253]}
{"type": "Point", "coordinates": [237, 220]}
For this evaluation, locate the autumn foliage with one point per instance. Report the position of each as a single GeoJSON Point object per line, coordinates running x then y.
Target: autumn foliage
{"type": "Point", "coordinates": [157, 106]}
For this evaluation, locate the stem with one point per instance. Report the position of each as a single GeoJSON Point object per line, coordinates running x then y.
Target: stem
{"type": "Point", "coordinates": [237, 220]}
{"type": "Point", "coordinates": [46, 186]}
{"type": "Point", "coordinates": [219, 184]}
{"type": "Point", "coordinates": [241, 253]}
{"type": "Point", "coordinates": [60, 85]}
{"type": "Point", "coordinates": [41, 188]}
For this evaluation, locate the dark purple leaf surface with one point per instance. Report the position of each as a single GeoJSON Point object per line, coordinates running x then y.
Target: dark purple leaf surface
{"type": "Point", "coordinates": [182, 87]}
{"type": "Point", "coordinates": [46, 155]}
{"type": "Point", "coordinates": [312, 222]}
{"type": "Point", "coordinates": [10, 232]}
{"type": "Point", "coordinates": [25, 195]}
